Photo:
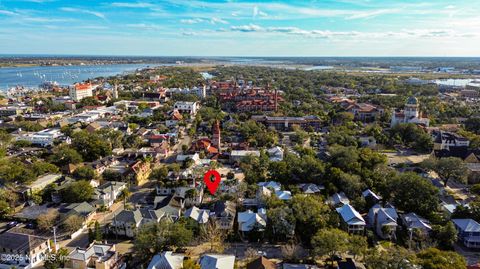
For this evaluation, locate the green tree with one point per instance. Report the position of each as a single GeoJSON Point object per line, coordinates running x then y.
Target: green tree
{"type": "Point", "coordinates": [190, 264]}
{"type": "Point", "coordinates": [77, 192]}
{"type": "Point", "coordinates": [281, 223]}
{"type": "Point", "coordinates": [98, 234]}
{"type": "Point", "coordinates": [56, 260]}
{"type": "Point", "coordinates": [357, 245]}
{"type": "Point", "coordinates": [110, 175]}
{"type": "Point", "coordinates": [389, 257]}
{"type": "Point", "coordinates": [311, 214]}
{"type": "Point", "coordinates": [84, 173]}
{"type": "Point", "coordinates": [449, 168]}
{"type": "Point", "coordinates": [433, 258]}
{"type": "Point", "coordinates": [90, 145]}
{"type": "Point", "coordinates": [446, 235]}
{"type": "Point", "coordinates": [64, 154]}
{"type": "Point", "coordinates": [329, 242]}
{"type": "Point", "coordinates": [154, 237]}
{"type": "Point", "coordinates": [412, 193]}
{"type": "Point", "coordinates": [472, 124]}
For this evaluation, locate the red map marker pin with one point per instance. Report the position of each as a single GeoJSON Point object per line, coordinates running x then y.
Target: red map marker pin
{"type": "Point", "coordinates": [212, 185]}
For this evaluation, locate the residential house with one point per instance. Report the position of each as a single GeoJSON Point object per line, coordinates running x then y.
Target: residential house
{"type": "Point", "coordinates": [32, 248]}
{"type": "Point", "coordinates": [205, 145]}
{"type": "Point", "coordinates": [339, 199]}
{"type": "Point", "coordinates": [270, 185]}
{"type": "Point", "coordinates": [84, 210]}
{"type": "Point", "coordinates": [369, 194]}
{"type": "Point", "coordinates": [201, 216]}
{"type": "Point", "coordinates": [173, 119]}
{"type": "Point", "coordinates": [443, 140]}
{"type": "Point", "coordinates": [237, 155]}
{"type": "Point", "coordinates": [224, 214]}
{"type": "Point", "coordinates": [99, 256]}
{"type": "Point", "coordinates": [349, 263]}
{"type": "Point", "coordinates": [383, 220]}
{"type": "Point", "coordinates": [171, 206]}
{"type": "Point", "coordinates": [217, 261]}
{"type": "Point", "coordinates": [298, 266]}
{"type": "Point", "coordinates": [310, 188]}
{"type": "Point", "coordinates": [275, 154]}
{"type": "Point", "coordinates": [92, 127]}
{"type": "Point", "coordinates": [127, 222]}
{"type": "Point", "coordinates": [249, 220]}
{"type": "Point", "coordinates": [141, 171]}
{"type": "Point", "coordinates": [261, 263]}
{"type": "Point", "coordinates": [287, 123]}
{"type": "Point", "coordinates": [468, 232]}
{"type": "Point", "coordinates": [365, 112]}
{"type": "Point", "coordinates": [412, 221]}
{"type": "Point", "coordinates": [187, 107]}
{"type": "Point", "coordinates": [167, 260]}
{"type": "Point", "coordinates": [283, 195]}
{"type": "Point", "coordinates": [107, 193]}
{"type": "Point", "coordinates": [103, 164]}
{"type": "Point", "coordinates": [367, 141]}
{"type": "Point", "coordinates": [352, 221]}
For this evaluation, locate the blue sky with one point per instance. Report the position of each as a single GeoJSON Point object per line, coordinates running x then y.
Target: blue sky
{"type": "Point", "coordinates": [241, 28]}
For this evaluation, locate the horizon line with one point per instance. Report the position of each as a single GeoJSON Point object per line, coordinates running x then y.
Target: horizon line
{"type": "Point", "coordinates": [222, 56]}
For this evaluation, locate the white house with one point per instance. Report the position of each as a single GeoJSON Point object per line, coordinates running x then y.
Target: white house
{"type": "Point", "coordinates": [275, 154]}
{"type": "Point", "coordinates": [412, 221]}
{"type": "Point", "coordinates": [352, 220]}
{"type": "Point", "coordinates": [166, 260]}
{"type": "Point", "coordinates": [106, 194]}
{"type": "Point", "coordinates": [249, 220]}
{"type": "Point", "coordinates": [42, 138]}
{"type": "Point", "coordinates": [199, 215]}
{"type": "Point", "coordinates": [379, 217]}
{"type": "Point", "coordinates": [187, 107]}
{"type": "Point", "coordinates": [32, 249]}
{"type": "Point", "coordinates": [217, 261]}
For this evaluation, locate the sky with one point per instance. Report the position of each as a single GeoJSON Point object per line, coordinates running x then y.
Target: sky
{"type": "Point", "coordinates": [241, 28]}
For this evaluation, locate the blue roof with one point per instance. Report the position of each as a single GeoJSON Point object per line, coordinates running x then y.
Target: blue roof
{"type": "Point", "coordinates": [467, 225]}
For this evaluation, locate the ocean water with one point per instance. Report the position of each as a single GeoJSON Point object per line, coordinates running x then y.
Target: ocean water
{"type": "Point", "coordinates": [32, 77]}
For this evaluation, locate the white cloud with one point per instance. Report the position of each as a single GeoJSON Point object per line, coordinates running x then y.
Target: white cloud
{"type": "Point", "coordinates": [258, 12]}
{"type": "Point", "coordinates": [408, 33]}
{"type": "Point", "coordinates": [6, 12]}
{"type": "Point", "coordinates": [213, 20]}
{"type": "Point", "coordinates": [192, 21]}
{"type": "Point", "coordinates": [247, 28]}
{"type": "Point", "coordinates": [145, 26]}
{"type": "Point", "coordinates": [216, 20]}
{"type": "Point", "coordinates": [85, 11]}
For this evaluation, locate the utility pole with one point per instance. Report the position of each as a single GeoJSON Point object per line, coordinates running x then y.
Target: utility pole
{"type": "Point", "coordinates": [55, 237]}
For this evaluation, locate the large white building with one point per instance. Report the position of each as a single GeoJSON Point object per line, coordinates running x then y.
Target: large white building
{"type": "Point", "coordinates": [81, 90]}
{"type": "Point", "coordinates": [42, 138]}
{"type": "Point", "coordinates": [187, 107]}
{"type": "Point", "coordinates": [410, 114]}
